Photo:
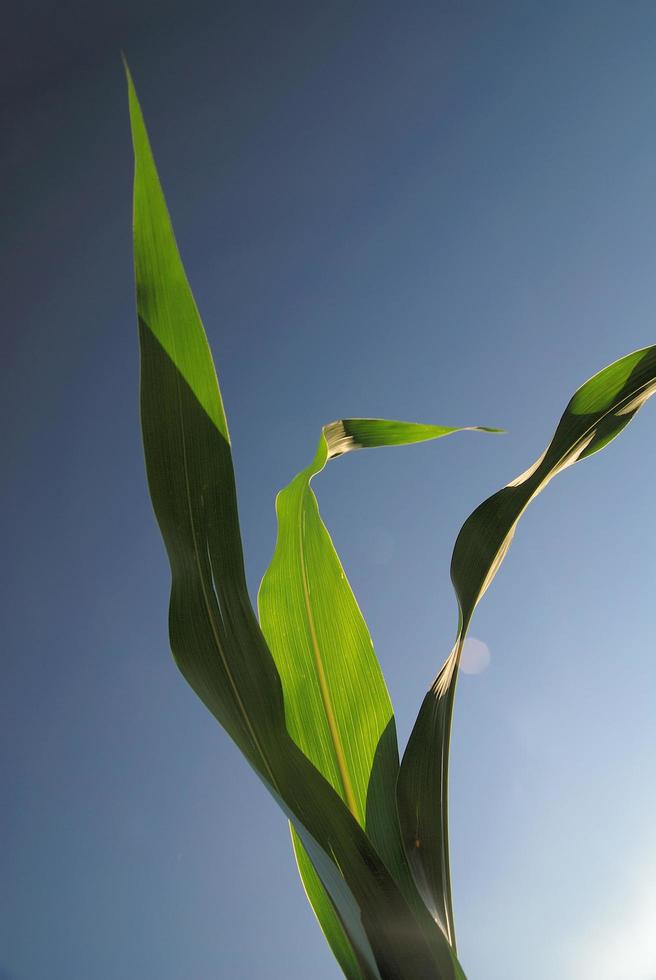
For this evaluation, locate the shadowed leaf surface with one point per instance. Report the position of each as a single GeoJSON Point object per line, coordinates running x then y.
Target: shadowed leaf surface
{"type": "Point", "coordinates": [595, 415]}
{"type": "Point", "coordinates": [215, 637]}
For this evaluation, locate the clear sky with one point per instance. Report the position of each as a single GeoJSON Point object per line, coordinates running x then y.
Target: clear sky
{"type": "Point", "coordinates": [439, 211]}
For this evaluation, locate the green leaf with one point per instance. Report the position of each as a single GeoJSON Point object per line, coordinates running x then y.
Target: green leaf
{"type": "Point", "coordinates": [337, 706]}
{"type": "Point", "coordinates": [597, 413]}
{"type": "Point", "coordinates": [325, 913]}
{"type": "Point", "coordinates": [215, 637]}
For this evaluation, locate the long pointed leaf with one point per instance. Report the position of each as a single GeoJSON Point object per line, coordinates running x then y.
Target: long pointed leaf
{"type": "Point", "coordinates": [595, 415]}
{"type": "Point", "coordinates": [215, 637]}
{"type": "Point", "coordinates": [337, 706]}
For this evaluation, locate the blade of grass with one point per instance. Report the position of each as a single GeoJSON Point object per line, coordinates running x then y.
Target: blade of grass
{"type": "Point", "coordinates": [215, 638]}
{"type": "Point", "coordinates": [595, 415]}
{"type": "Point", "coordinates": [337, 706]}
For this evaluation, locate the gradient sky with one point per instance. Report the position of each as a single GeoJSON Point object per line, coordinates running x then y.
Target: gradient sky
{"type": "Point", "coordinates": [440, 211]}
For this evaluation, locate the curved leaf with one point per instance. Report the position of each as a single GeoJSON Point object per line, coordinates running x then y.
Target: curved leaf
{"type": "Point", "coordinates": [337, 706]}
{"type": "Point", "coordinates": [598, 412]}
{"type": "Point", "coordinates": [215, 638]}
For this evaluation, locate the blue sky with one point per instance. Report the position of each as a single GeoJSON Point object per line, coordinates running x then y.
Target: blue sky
{"type": "Point", "coordinates": [441, 212]}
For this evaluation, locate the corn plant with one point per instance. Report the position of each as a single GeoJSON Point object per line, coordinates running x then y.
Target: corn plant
{"type": "Point", "coordinates": [299, 689]}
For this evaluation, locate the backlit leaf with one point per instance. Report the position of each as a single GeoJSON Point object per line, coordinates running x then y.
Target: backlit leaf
{"type": "Point", "coordinates": [215, 637]}
{"type": "Point", "coordinates": [337, 707]}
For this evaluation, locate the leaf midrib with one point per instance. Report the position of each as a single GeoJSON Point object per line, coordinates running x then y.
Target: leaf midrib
{"type": "Point", "coordinates": [324, 688]}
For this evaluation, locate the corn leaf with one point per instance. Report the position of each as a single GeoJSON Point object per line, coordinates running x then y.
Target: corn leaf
{"type": "Point", "coordinates": [324, 911]}
{"type": "Point", "coordinates": [215, 637]}
{"type": "Point", "coordinates": [337, 706]}
{"type": "Point", "coordinates": [595, 415]}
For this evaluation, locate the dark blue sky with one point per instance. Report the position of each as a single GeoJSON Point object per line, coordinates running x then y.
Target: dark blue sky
{"type": "Point", "coordinates": [442, 212]}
